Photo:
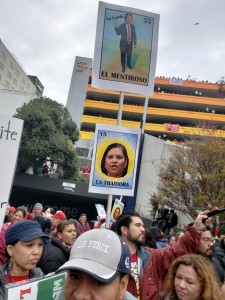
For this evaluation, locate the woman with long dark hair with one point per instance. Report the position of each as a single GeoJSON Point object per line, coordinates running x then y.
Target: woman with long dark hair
{"type": "Point", "coordinates": [115, 161]}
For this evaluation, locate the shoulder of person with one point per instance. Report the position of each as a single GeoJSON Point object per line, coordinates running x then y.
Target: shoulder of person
{"type": "Point", "coordinates": [36, 273]}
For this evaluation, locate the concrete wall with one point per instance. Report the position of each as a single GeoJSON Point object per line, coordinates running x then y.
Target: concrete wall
{"type": "Point", "coordinates": [10, 101]}
{"type": "Point", "coordinates": [78, 85]}
{"type": "Point", "coordinates": [154, 151]}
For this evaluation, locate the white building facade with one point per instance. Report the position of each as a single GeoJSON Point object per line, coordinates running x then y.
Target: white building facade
{"type": "Point", "coordinates": [12, 75]}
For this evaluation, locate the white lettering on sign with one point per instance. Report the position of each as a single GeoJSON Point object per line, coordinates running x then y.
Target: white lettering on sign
{"type": "Point", "coordinates": [7, 134]}
{"type": "Point", "coordinates": [57, 288]}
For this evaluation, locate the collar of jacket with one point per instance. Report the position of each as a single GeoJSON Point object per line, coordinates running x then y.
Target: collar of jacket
{"type": "Point", "coordinates": [144, 254]}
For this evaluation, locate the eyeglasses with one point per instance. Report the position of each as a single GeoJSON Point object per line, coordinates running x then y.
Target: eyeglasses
{"type": "Point", "coordinates": [208, 240]}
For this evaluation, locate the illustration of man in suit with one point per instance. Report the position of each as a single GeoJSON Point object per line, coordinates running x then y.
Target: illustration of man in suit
{"type": "Point", "coordinates": [128, 40]}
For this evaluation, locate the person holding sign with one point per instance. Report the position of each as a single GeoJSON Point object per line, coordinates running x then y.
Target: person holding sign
{"type": "Point", "coordinates": [128, 40]}
{"type": "Point", "coordinates": [24, 245]}
{"type": "Point", "coordinates": [115, 161]}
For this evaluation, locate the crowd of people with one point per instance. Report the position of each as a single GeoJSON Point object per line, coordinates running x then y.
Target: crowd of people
{"type": "Point", "coordinates": [127, 261]}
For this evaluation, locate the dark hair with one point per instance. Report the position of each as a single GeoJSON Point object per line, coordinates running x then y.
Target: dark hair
{"type": "Point", "coordinates": [22, 209]}
{"type": "Point", "coordinates": [152, 235]}
{"type": "Point", "coordinates": [62, 224]}
{"type": "Point", "coordinates": [46, 224]}
{"type": "Point", "coordinates": [52, 211]}
{"type": "Point", "coordinates": [128, 14]}
{"type": "Point", "coordinates": [124, 220]}
{"type": "Point", "coordinates": [111, 146]}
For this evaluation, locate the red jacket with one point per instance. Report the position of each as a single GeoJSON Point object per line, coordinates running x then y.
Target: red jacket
{"type": "Point", "coordinates": [82, 228]}
{"type": "Point", "coordinates": [153, 264]}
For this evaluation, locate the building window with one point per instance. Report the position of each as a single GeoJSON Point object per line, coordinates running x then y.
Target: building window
{"type": "Point", "coordinates": [23, 80]}
{"type": "Point", "coordinates": [3, 56]}
{"type": "Point", "coordinates": [28, 86]}
{"type": "Point", "coordinates": [21, 88]}
{"type": "Point", "coordinates": [15, 81]}
{"type": "Point", "coordinates": [9, 75]}
{"type": "Point", "coordinates": [12, 66]}
{"type": "Point", "coordinates": [1, 66]}
{"type": "Point", "coordinates": [7, 84]}
{"type": "Point", "coordinates": [17, 73]}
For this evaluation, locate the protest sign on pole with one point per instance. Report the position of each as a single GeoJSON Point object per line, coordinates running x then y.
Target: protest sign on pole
{"type": "Point", "coordinates": [117, 210]}
{"type": "Point", "coordinates": [101, 211]}
{"type": "Point", "coordinates": [10, 135]}
{"type": "Point", "coordinates": [125, 49]}
{"type": "Point", "coordinates": [114, 160]}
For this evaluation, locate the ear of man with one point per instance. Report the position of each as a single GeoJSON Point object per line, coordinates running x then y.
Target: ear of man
{"type": "Point", "coordinates": [123, 286]}
{"type": "Point", "coordinates": [123, 230]}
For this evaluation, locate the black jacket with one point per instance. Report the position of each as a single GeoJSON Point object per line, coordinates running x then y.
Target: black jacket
{"type": "Point", "coordinates": [218, 261]}
{"type": "Point", "coordinates": [54, 255]}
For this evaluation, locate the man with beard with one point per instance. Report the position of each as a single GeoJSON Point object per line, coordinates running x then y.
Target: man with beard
{"type": "Point", "coordinates": [150, 266]}
{"type": "Point", "coordinates": [206, 248]}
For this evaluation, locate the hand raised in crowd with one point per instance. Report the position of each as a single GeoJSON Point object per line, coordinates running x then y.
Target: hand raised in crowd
{"type": "Point", "coordinates": [201, 221]}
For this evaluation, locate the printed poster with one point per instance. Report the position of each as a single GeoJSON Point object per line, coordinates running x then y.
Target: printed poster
{"type": "Point", "coordinates": [10, 135]}
{"type": "Point", "coordinates": [125, 49]}
{"type": "Point", "coordinates": [46, 288]}
{"type": "Point", "coordinates": [114, 160]}
{"type": "Point", "coordinates": [117, 210]}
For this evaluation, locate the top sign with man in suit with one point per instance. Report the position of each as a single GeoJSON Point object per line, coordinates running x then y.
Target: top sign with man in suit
{"type": "Point", "coordinates": [125, 49]}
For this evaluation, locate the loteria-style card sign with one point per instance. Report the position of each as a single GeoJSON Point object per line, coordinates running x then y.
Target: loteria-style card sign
{"type": "Point", "coordinates": [46, 288]}
{"type": "Point", "coordinates": [117, 210]}
{"type": "Point", "coordinates": [10, 135]}
{"type": "Point", "coordinates": [114, 160]}
{"type": "Point", "coordinates": [125, 49]}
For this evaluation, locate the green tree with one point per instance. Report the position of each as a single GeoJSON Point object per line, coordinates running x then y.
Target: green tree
{"type": "Point", "coordinates": [193, 178]}
{"type": "Point", "coordinates": [48, 131]}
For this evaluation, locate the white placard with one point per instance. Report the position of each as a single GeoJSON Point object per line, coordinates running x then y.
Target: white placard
{"type": "Point", "coordinates": [46, 288]}
{"type": "Point", "coordinates": [125, 49]}
{"type": "Point", "coordinates": [10, 135]}
{"type": "Point", "coordinates": [101, 211]}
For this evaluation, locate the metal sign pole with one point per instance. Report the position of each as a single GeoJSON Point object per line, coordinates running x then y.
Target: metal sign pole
{"type": "Point", "coordinates": [119, 118]}
{"type": "Point", "coordinates": [143, 121]}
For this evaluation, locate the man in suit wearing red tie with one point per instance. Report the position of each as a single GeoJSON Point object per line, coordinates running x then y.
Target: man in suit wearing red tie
{"type": "Point", "coordinates": [128, 40]}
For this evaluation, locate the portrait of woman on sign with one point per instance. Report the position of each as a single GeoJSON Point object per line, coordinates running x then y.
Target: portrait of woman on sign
{"type": "Point", "coordinates": [115, 161]}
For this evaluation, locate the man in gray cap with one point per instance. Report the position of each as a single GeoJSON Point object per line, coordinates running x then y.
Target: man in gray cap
{"type": "Point", "coordinates": [98, 268]}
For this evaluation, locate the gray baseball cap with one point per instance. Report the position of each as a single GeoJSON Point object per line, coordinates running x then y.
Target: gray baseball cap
{"type": "Point", "coordinates": [100, 253]}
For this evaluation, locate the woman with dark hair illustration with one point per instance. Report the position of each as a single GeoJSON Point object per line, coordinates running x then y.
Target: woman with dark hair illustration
{"type": "Point", "coordinates": [115, 161]}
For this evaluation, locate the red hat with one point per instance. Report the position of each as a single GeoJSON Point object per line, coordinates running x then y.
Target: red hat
{"type": "Point", "coordinates": [29, 216]}
{"type": "Point", "coordinates": [59, 215]}
{"type": "Point", "coordinates": [12, 208]}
